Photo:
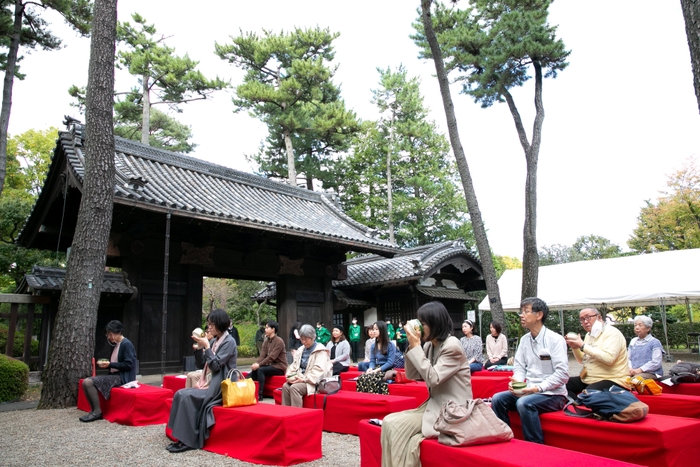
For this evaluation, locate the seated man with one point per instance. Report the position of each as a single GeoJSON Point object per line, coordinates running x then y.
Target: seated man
{"type": "Point", "coordinates": [541, 360]}
{"type": "Point", "coordinates": [603, 353]}
{"type": "Point", "coordinates": [311, 363]}
{"type": "Point", "coordinates": [272, 360]}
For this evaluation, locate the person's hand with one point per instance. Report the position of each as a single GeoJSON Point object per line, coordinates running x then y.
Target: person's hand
{"type": "Point", "coordinates": [201, 341]}
{"type": "Point", "coordinates": [254, 366]}
{"type": "Point", "coordinates": [635, 371]}
{"type": "Point", "coordinates": [494, 359]}
{"type": "Point", "coordinates": [530, 390]}
{"type": "Point", "coordinates": [412, 335]}
{"type": "Point", "coordinates": [103, 364]}
{"type": "Point", "coordinates": [574, 342]}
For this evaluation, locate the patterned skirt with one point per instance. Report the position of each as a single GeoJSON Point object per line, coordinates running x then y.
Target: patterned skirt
{"type": "Point", "coordinates": [105, 383]}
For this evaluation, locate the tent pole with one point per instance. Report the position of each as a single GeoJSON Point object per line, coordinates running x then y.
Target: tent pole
{"type": "Point", "coordinates": [663, 320]}
{"type": "Point", "coordinates": [689, 308]}
{"type": "Point", "coordinates": [561, 321]}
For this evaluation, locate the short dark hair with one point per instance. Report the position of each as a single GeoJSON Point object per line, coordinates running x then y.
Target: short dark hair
{"type": "Point", "coordinates": [497, 326]}
{"type": "Point", "coordinates": [274, 325]}
{"type": "Point", "coordinates": [219, 318]}
{"type": "Point", "coordinates": [115, 327]}
{"type": "Point", "coordinates": [435, 315]}
{"type": "Point", "coordinates": [537, 304]}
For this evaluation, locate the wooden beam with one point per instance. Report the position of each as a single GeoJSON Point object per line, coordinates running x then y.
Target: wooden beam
{"type": "Point", "coordinates": [22, 298]}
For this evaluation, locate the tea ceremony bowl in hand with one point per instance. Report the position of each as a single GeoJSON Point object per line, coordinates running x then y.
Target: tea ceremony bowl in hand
{"type": "Point", "coordinates": [518, 388]}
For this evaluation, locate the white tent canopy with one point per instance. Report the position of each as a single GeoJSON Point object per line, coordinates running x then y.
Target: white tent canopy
{"type": "Point", "coordinates": [667, 278]}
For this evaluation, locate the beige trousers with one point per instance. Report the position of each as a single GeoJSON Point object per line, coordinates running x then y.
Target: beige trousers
{"type": "Point", "coordinates": [401, 437]}
{"type": "Point", "coordinates": [293, 394]}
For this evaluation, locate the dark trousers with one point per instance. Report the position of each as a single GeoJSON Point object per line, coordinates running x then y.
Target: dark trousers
{"type": "Point", "coordinates": [502, 361]}
{"type": "Point", "coordinates": [339, 368]}
{"type": "Point", "coordinates": [575, 386]}
{"type": "Point", "coordinates": [355, 350]}
{"type": "Point", "coordinates": [260, 374]}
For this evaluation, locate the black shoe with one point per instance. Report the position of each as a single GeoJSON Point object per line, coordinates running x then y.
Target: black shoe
{"type": "Point", "coordinates": [179, 447]}
{"type": "Point", "coordinates": [91, 417]}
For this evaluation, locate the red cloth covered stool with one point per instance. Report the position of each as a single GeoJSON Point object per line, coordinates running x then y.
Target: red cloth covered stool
{"type": "Point", "coordinates": [418, 390]}
{"type": "Point", "coordinates": [145, 405]}
{"type": "Point", "coordinates": [687, 389]}
{"type": "Point", "coordinates": [352, 373]}
{"type": "Point", "coordinates": [658, 440]}
{"type": "Point", "coordinates": [514, 453]}
{"type": "Point", "coordinates": [174, 382]}
{"type": "Point", "coordinates": [485, 386]}
{"type": "Point", "coordinates": [676, 405]}
{"type": "Point", "coordinates": [272, 383]}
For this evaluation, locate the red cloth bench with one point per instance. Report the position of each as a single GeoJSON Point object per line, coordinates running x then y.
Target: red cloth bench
{"type": "Point", "coordinates": [177, 382]}
{"type": "Point", "coordinates": [345, 409]}
{"type": "Point", "coordinates": [265, 434]}
{"type": "Point", "coordinates": [486, 384]}
{"type": "Point", "coordinates": [514, 453]}
{"type": "Point", "coordinates": [140, 406]}
{"type": "Point", "coordinates": [676, 405]}
{"type": "Point", "coordinates": [687, 389]}
{"type": "Point", "coordinates": [657, 440]}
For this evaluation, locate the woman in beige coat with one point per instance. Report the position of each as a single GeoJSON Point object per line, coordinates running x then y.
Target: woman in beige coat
{"type": "Point", "coordinates": [311, 363]}
{"type": "Point", "coordinates": [442, 364]}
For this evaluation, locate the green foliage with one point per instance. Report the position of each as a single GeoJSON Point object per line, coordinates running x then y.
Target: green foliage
{"type": "Point", "coordinates": [234, 296]}
{"type": "Point", "coordinates": [288, 85]}
{"type": "Point", "coordinates": [14, 378]}
{"type": "Point", "coordinates": [428, 206]}
{"type": "Point", "coordinates": [18, 347]}
{"type": "Point", "coordinates": [673, 221]}
{"type": "Point", "coordinates": [245, 350]}
{"type": "Point", "coordinates": [502, 263]}
{"type": "Point", "coordinates": [586, 247]}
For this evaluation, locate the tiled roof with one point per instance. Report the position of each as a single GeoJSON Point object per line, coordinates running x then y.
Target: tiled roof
{"type": "Point", "coordinates": [409, 263]}
{"type": "Point", "coordinates": [44, 278]}
{"type": "Point", "coordinates": [162, 180]}
{"type": "Point", "coordinates": [441, 292]}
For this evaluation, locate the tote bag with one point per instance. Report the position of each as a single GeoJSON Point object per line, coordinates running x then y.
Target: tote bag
{"type": "Point", "coordinates": [471, 424]}
{"type": "Point", "coordinates": [238, 392]}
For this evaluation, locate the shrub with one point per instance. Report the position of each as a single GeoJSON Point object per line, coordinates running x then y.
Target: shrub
{"type": "Point", "coordinates": [14, 378]}
{"type": "Point", "coordinates": [18, 347]}
{"type": "Point", "coordinates": [247, 351]}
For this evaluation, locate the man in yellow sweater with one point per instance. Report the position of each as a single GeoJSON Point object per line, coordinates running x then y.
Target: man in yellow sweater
{"type": "Point", "coordinates": [603, 353]}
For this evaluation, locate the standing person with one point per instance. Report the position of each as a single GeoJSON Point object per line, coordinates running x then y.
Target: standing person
{"type": "Point", "coordinates": [233, 332]}
{"type": "Point", "coordinates": [496, 346]}
{"type": "Point", "coordinates": [322, 334]}
{"type": "Point", "coordinates": [122, 370]}
{"type": "Point", "coordinates": [645, 351]}
{"type": "Point", "coordinates": [401, 341]}
{"type": "Point", "coordinates": [391, 332]}
{"type": "Point", "coordinates": [541, 360]}
{"type": "Point", "coordinates": [339, 350]}
{"type": "Point", "coordinates": [363, 365]}
{"type": "Point", "coordinates": [260, 336]}
{"type": "Point", "coordinates": [382, 355]}
{"type": "Point", "coordinates": [294, 341]}
{"type": "Point", "coordinates": [473, 347]}
{"type": "Point", "coordinates": [603, 353]}
{"type": "Point", "coordinates": [191, 415]}
{"type": "Point", "coordinates": [354, 335]}
{"type": "Point", "coordinates": [310, 364]}
{"type": "Point", "coordinates": [272, 360]}
{"type": "Point", "coordinates": [441, 363]}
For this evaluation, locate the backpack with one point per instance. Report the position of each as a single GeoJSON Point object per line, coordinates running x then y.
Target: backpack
{"type": "Point", "coordinates": [614, 404]}
{"type": "Point", "coordinates": [684, 372]}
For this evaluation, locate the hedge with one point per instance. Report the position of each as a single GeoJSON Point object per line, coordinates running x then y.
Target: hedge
{"type": "Point", "coordinates": [677, 333]}
{"type": "Point", "coordinates": [18, 347]}
{"type": "Point", "coordinates": [14, 378]}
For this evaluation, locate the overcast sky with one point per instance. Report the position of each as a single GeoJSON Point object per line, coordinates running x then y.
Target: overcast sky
{"type": "Point", "coordinates": [618, 120]}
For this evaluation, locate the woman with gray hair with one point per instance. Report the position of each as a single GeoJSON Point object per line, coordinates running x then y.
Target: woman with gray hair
{"type": "Point", "coordinates": [645, 351]}
{"type": "Point", "coordinates": [311, 363]}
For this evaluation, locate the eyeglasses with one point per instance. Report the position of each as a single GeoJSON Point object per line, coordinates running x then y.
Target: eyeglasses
{"type": "Point", "coordinates": [524, 312]}
{"type": "Point", "coordinates": [586, 319]}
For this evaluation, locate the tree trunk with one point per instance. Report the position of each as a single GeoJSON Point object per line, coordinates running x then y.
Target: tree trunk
{"type": "Point", "coordinates": [291, 169]}
{"type": "Point", "coordinates": [146, 115]}
{"type": "Point", "coordinates": [691, 13]}
{"type": "Point", "coordinates": [7, 88]}
{"type": "Point", "coordinates": [389, 197]}
{"type": "Point", "coordinates": [482, 242]}
{"type": "Point", "coordinates": [73, 340]}
{"type": "Point", "coordinates": [531, 259]}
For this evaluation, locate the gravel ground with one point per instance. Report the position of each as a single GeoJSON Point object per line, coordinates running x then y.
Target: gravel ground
{"type": "Point", "coordinates": [58, 438]}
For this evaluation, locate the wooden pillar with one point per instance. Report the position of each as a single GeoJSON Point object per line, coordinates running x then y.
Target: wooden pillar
{"type": "Point", "coordinates": [286, 305]}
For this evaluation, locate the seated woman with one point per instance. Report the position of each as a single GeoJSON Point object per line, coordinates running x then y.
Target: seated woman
{"type": "Point", "coordinates": [472, 346]}
{"type": "Point", "coordinates": [363, 365]}
{"type": "Point", "coordinates": [645, 351]}
{"type": "Point", "coordinates": [383, 352]}
{"type": "Point", "coordinates": [311, 363]}
{"type": "Point", "coordinates": [272, 360]}
{"type": "Point", "coordinates": [442, 364]}
{"type": "Point", "coordinates": [339, 350]}
{"type": "Point", "coordinates": [191, 415]}
{"type": "Point", "coordinates": [122, 370]}
{"type": "Point", "coordinates": [496, 346]}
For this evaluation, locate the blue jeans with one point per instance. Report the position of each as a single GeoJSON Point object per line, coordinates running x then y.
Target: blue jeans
{"type": "Point", "coordinates": [363, 366]}
{"type": "Point", "coordinates": [529, 408]}
{"type": "Point", "coordinates": [476, 366]}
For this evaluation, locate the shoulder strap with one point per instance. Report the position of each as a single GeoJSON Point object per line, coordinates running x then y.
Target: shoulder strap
{"type": "Point", "coordinates": [579, 413]}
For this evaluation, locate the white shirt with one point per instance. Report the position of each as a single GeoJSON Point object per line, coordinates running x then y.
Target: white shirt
{"type": "Point", "coordinates": [549, 375]}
